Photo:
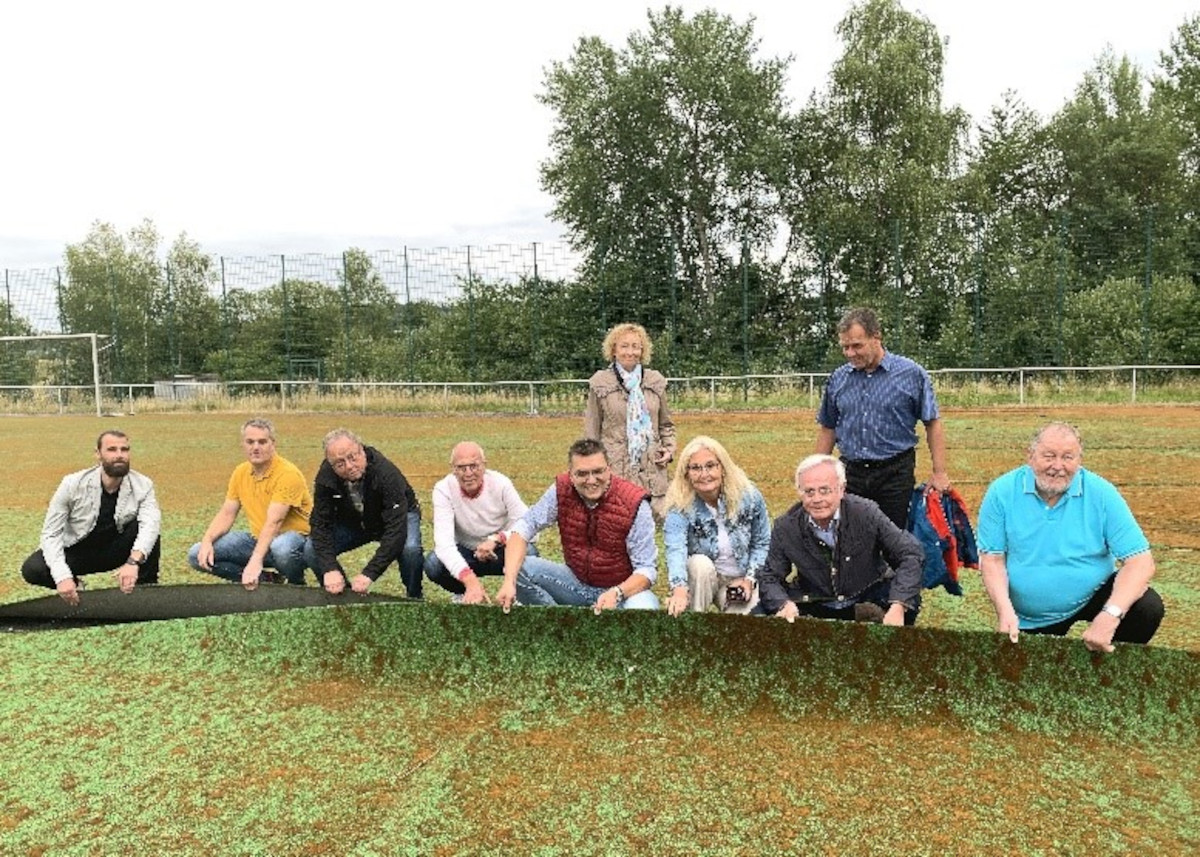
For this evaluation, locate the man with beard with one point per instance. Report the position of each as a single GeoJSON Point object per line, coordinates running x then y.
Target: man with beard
{"type": "Point", "coordinates": [104, 518]}
{"type": "Point", "coordinates": [1059, 545]}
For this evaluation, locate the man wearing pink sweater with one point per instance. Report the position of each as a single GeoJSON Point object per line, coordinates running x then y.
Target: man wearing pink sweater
{"type": "Point", "coordinates": [473, 510]}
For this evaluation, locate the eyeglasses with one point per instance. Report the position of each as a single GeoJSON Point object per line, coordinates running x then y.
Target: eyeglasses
{"type": "Point", "coordinates": [595, 473]}
{"type": "Point", "coordinates": [348, 458]}
{"type": "Point", "coordinates": [706, 467]}
{"type": "Point", "coordinates": [823, 491]}
{"type": "Point", "coordinates": [473, 467]}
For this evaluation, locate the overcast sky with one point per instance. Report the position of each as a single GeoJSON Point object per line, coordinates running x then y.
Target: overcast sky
{"type": "Point", "coordinates": [310, 127]}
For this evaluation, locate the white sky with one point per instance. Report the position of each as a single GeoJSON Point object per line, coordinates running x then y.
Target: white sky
{"type": "Point", "coordinates": [310, 127]}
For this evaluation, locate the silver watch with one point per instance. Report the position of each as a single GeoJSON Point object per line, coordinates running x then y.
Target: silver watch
{"type": "Point", "coordinates": [1114, 611]}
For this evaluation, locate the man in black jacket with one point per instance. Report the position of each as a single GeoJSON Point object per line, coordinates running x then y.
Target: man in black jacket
{"type": "Point", "coordinates": [361, 497]}
{"type": "Point", "coordinates": [851, 561]}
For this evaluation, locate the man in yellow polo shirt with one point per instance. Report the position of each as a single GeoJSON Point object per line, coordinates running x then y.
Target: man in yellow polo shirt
{"type": "Point", "coordinates": [275, 496]}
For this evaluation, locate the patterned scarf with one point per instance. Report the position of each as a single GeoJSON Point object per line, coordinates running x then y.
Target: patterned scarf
{"type": "Point", "coordinates": [639, 430]}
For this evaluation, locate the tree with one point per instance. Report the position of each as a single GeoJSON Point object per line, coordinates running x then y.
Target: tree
{"type": "Point", "coordinates": [187, 310]}
{"type": "Point", "coordinates": [1177, 93]}
{"type": "Point", "coordinates": [1121, 321]}
{"type": "Point", "coordinates": [111, 285]}
{"type": "Point", "coordinates": [1009, 202]}
{"type": "Point", "coordinates": [876, 157]}
{"type": "Point", "coordinates": [18, 361]}
{"type": "Point", "coordinates": [1120, 173]}
{"type": "Point", "coordinates": [369, 320]}
{"type": "Point", "coordinates": [664, 153]}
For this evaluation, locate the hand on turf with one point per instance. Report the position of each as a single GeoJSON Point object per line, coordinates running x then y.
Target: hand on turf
{"type": "Point", "coordinates": [475, 593]}
{"type": "Point", "coordinates": [126, 576]}
{"type": "Point", "coordinates": [251, 573]}
{"type": "Point", "coordinates": [506, 595]}
{"type": "Point", "coordinates": [894, 615]}
{"type": "Point", "coordinates": [67, 591]}
{"type": "Point", "coordinates": [608, 600]}
{"type": "Point", "coordinates": [361, 583]}
{"type": "Point", "coordinates": [1098, 635]}
{"type": "Point", "coordinates": [334, 582]}
{"type": "Point", "coordinates": [678, 602]}
{"type": "Point", "coordinates": [1008, 624]}
{"type": "Point", "coordinates": [789, 611]}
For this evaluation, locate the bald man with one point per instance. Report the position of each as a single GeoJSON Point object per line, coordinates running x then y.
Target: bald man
{"type": "Point", "coordinates": [473, 510]}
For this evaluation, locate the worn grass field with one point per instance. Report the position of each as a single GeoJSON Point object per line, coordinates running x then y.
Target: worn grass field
{"type": "Point", "coordinates": [432, 729]}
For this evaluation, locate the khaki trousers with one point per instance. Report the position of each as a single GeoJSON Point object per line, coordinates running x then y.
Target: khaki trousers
{"type": "Point", "coordinates": [708, 587]}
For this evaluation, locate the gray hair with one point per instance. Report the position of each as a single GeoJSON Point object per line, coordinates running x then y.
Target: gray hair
{"type": "Point", "coordinates": [260, 423]}
{"type": "Point", "coordinates": [466, 443]}
{"type": "Point", "coordinates": [1057, 425]}
{"type": "Point", "coordinates": [816, 461]}
{"type": "Point", "coordinates": [338, 434]}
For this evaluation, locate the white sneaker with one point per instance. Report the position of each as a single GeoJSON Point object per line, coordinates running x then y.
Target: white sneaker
{"type": "Point", "coordinates": [456, 599]}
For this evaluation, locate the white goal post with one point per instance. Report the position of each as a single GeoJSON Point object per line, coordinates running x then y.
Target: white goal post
{"type": "Point", "coordinates": [92, 337]}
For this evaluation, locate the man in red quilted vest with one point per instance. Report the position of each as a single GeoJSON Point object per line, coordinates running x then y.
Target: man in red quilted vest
{"type": "Point", "coordinates": [607, 533]}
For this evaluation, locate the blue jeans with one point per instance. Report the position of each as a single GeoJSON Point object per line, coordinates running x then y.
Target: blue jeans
{"type": "Point", "coordinates": [437, 572]}
{"type": "Point", "coordinates": [347, 538]}
{"type": "Point", "coordinates": [542, 583]}
{"type": "Point", "coordinates": [232, 551]}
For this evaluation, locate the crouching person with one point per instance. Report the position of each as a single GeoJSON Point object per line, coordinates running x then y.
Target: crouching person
{"type": "Point", "coordinates": [607, 533]}
{"type": "Point", "coordinates": [850, 560]}
{"type": "Point", "coordinates": [277, 502]}
{"type": "Point", "coordinates": [104, 518]}
{"type": "Point", "coordinates": [361, 497]}
{"type": "Point", "coordinates": [474, 508]}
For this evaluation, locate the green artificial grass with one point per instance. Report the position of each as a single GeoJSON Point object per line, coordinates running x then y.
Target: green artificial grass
{"type": "Point", "coordinates": [427, 729]}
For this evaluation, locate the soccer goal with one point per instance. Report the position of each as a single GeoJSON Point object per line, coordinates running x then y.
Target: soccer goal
{"type": "Point", "coordinates": [51, 370]}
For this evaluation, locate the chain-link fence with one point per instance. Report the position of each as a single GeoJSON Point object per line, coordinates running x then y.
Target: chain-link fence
{"type": "Point", "coordinates": [1073, 296]}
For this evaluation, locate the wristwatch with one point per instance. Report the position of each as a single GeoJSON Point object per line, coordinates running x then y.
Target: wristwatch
{"type": "Point", "coordinates": [135, 561]}
{"type": "Point", "coordinates": [1114, 611]}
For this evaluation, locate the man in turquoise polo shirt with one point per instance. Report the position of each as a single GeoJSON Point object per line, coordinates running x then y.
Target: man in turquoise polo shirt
{"type": "Point", "coordinates": [1059, 545]}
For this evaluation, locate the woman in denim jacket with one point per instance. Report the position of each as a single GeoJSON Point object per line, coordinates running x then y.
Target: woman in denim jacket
{"type": "Point", "coordinates": [716, 532]}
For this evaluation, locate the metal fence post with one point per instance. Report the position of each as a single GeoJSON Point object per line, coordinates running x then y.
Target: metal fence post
{"type": "Point", "coordinates": [345, 317]}
{"type": "Point", "coordinates": [287, 322]}
{"type": "Point", "coordinates": [225, 315]}
{"type": "Point", "coordinates": [1148, 284]}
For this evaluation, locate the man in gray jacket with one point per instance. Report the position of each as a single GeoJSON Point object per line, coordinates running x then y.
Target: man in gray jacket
{"type": "Point", "coordinates": [850, 560]}
{"type": "Point", "coordinates": [104, 518]}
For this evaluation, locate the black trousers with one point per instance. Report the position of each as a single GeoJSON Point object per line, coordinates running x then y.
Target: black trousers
{"type": "Point", "coordinates": [1138, 626]}
{"type": "Point", "coordinates": [889, 482]}
{"type": "Point", "coordinates": [94, 554]}
{"type": "Point", "coordinates": [877, 594]}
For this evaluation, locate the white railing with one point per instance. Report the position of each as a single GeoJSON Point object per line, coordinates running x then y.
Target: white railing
{"type": "Point", "coordinates": [796, 389]}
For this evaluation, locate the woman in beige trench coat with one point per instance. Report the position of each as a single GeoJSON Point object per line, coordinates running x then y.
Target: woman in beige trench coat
{"type": "Point", "coordinates": [627, 412]}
